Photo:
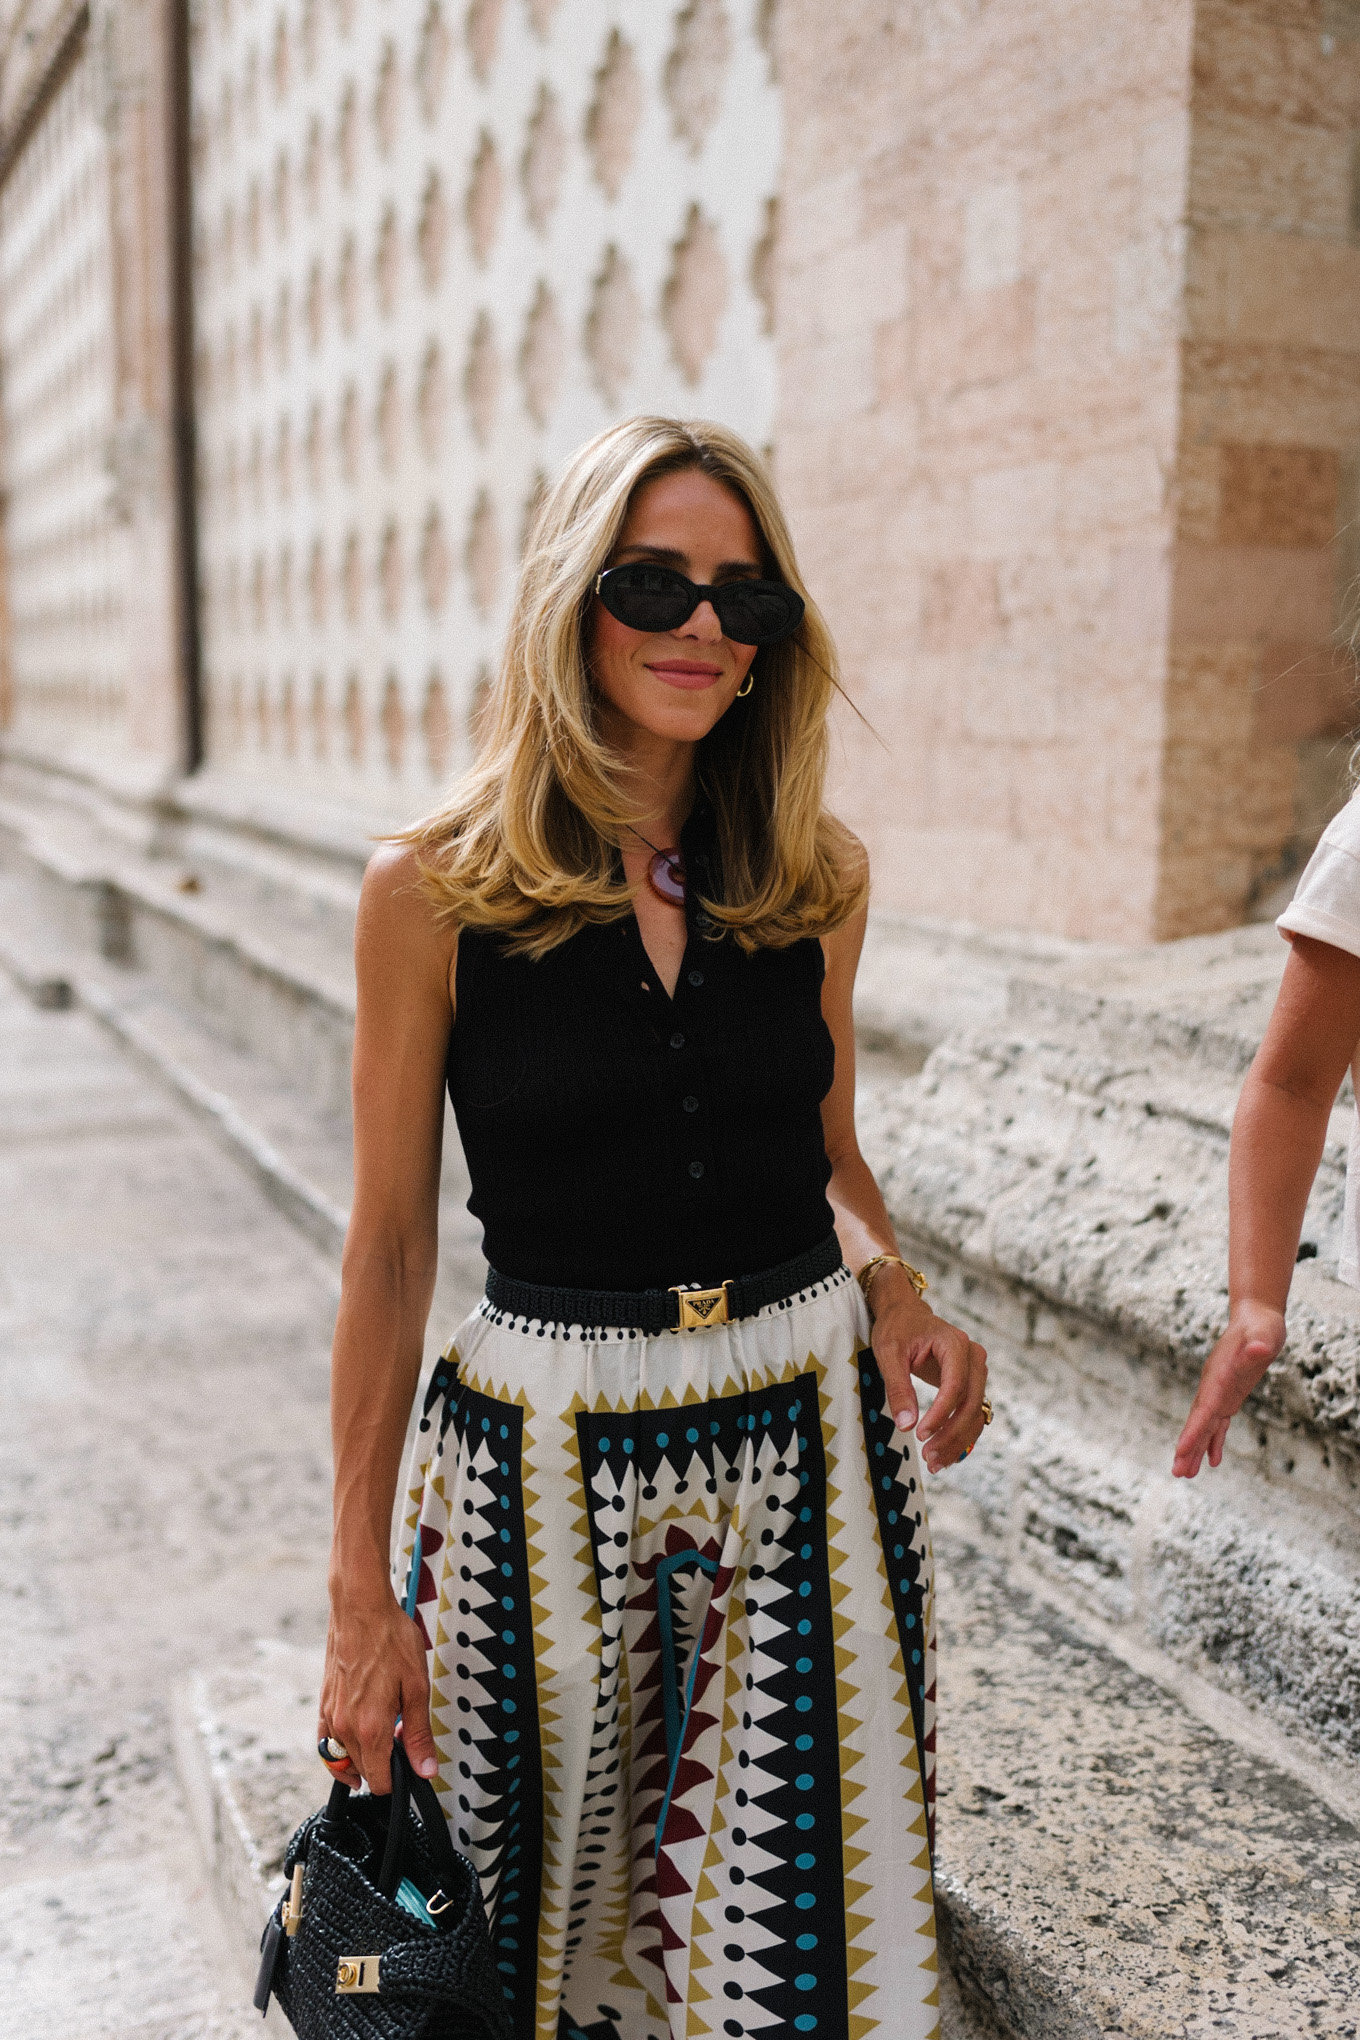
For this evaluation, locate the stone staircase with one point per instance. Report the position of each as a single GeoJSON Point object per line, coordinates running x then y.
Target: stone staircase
{"type": "Point", "coordinates": [1149, 1717]}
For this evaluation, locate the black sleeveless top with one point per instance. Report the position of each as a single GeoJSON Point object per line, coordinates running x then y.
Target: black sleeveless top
{"type": "Point", "coordinates": [618, 1139]}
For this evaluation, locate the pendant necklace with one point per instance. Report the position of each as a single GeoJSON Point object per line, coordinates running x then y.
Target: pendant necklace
{"type": "Point", "coordinates": [665, 872]}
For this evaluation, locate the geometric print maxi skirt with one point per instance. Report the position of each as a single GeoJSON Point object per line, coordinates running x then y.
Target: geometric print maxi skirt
{"type": "Point", "coordinates": [677, 1593]}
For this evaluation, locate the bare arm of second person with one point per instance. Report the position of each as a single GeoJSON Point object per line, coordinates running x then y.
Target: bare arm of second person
{"type": "Point", "coordinates": [1279, 1130]}
{"type": "Point", "coordinates": [375, 1655]}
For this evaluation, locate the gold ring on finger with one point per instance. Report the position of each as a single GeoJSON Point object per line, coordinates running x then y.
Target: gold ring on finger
{"type": "Point", "coordinates": [986, 1410]}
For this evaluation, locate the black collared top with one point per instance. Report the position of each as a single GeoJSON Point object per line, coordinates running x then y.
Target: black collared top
{"type": "Point", "coordinates": [618, 1139]}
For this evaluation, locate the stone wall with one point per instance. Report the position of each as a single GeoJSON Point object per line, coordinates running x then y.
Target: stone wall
{"type": "Point", "coordinates": [66, 550]}
{"type": "Point", "coordinates": [438, 247]}
{"type": "Point", "coordinates": [1067, 419]}
{"type": "Point", "coordinates": [978, 302]}
{"type": "Point", "coordinates": [1048, 314]}
{"type": "Point", "coordinates": [93, 675]}
{"type": "Point", "coordinates": [1259, 697]}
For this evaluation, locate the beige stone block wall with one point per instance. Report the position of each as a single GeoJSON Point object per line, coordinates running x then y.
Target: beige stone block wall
{"type": "Point", "coordinates": [979, 294]}
{"type": "Point", "coordinates": [1261, 693]}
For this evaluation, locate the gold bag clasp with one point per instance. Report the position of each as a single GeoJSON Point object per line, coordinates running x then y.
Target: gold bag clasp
{"type": "Point", "coordinates": [356, 1975]}
{"type": "Point", "coordinates": [292, 1911]}
{"type": "Point", "coordinates": [701, 1307]}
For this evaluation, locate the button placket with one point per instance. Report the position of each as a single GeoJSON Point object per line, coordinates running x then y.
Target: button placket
{"type": "Point", "coordinates": [696, 1167]}
{"type": "Point", "coordinates": [696, 1154]}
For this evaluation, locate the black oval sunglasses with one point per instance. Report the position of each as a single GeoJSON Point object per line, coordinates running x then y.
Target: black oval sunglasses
{"type": "Point", "coordinates": [658, 598]}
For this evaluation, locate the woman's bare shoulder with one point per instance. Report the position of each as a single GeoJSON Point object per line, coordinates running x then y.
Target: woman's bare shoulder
{"type": "Point", "coordinates": [842, 947]}
{"type": "Point", "coordinates": [398, 926]}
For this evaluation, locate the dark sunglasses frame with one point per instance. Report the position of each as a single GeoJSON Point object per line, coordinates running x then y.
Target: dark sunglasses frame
{"type": "Point", "coordinates": [613, 584]}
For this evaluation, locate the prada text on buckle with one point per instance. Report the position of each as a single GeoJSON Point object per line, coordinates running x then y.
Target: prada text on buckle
{"type": "Point", "coordinates": [700, 1307]}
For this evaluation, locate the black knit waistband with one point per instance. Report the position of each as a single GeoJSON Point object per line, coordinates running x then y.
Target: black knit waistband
{"type": "Point", "coordinates": [658, 1310]}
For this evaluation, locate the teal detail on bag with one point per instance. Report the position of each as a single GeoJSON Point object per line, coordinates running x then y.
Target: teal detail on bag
{"type": "Point", "coordinates": [412, 1900]}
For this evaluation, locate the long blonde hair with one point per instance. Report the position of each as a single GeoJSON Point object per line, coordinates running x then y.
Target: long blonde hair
{"type": "Point", "coordinates": [525, 843]}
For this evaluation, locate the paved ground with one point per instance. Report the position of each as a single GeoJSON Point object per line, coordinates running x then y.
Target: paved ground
{"type": "Point", "coordinates": [163, 1347]}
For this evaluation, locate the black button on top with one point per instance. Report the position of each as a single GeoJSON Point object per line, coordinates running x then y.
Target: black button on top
{"type": "Point", "coordinates": [690, 1104]}
{"type": "Point", "coordinates": [677, 1039]}
{"type": "Point", "coordinates": [696, 1170]}
{"type": "Point", "coordinates": [696, 978]}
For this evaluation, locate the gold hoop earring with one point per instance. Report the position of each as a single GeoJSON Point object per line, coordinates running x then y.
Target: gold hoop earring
{"type": "Point", "coordinates": [747, 684]}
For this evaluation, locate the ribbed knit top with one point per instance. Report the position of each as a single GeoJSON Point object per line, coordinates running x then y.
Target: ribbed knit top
{"type": "Point", "coordinates": [618, 1139]}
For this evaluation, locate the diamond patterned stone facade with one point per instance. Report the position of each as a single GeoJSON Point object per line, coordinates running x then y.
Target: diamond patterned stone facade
{"type": "Point", "coordinates": [436, 249]}
{"type": "Point", "coordinates": [66, 537]}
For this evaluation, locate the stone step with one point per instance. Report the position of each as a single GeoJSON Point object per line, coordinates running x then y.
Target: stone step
{"type": "Point", "coordinates": [262, 955]}
{"type": "Point", "coordinates": [1109, 1861]}
{"type": "Point", "coordinates": [1060, 1172]}
{"type": "Point", "coordinates": [245, 1745]}
{"type": "Point", "coordinates": [300, 1153]}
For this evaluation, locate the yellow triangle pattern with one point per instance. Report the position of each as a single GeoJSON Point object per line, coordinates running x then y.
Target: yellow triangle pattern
{"type": "Point", "coordinates": [915, 1789]}
{"type": "Point", "coordinates": [615, 1900]}
{"type": "Point", "coordinates": [706, 1891]}
{"type": "Point", "coordinates": [848, 1718]}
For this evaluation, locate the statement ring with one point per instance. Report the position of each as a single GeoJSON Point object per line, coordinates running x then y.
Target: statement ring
{"type": "Point", "coordinates": [986, 1410]}
{"type": "Point", "coordinates": [332, 1753]}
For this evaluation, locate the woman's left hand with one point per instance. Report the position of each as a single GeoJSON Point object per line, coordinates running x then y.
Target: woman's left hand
{"type": "Point", "coordinates": [908, 1339]}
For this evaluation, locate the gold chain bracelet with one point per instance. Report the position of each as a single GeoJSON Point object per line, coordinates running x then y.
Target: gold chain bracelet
{"type": "Point", "coordinates": [871, 1268]}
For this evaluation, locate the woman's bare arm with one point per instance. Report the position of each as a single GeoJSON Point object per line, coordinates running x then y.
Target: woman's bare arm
{"type": "Point", "coordinates": [908, 1337]}
{"type": "Point", "coordinates": [1279, 1130]}
{"type": "Point", "coordinates": [375, 1657]}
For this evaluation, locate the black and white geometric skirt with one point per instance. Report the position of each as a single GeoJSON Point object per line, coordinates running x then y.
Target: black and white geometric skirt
{"type": "Point", "coordinates": [678, 1597]}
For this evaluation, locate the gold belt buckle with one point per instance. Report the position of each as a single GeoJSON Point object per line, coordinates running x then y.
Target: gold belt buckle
{"type": "Point", "coordinates": [700, 1307]}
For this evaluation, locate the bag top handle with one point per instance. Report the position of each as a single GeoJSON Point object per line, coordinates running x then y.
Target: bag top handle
{"type": "Point", "coordinates": [389, 1877]}
{"type": "Point", "coordinates": [406, 1786]}
{"type": "Point", "coordinates": [438, 1840]}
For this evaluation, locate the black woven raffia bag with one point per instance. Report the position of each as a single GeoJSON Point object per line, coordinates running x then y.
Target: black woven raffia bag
{"type": "Point", "coordinates": [389, 1940]}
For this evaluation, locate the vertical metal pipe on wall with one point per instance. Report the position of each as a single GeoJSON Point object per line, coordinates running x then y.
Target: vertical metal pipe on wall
{"type": "Point", "coordinates": [181, 230]}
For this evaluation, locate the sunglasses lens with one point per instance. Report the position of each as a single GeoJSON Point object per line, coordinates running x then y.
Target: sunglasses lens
{"type": "Point", "coordinates": [657, 598]}
{"type": "Point", "coordinates": [647, 598]}
{"type": "Point", "coordinates": [759, 612]}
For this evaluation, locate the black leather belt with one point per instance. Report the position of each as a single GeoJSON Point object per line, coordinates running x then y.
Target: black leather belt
{"type": "Point", "coordinates": [665, 1310]}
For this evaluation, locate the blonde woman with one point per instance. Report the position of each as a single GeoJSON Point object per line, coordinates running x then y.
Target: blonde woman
{"type": "Point", "coordinates": [663, 1623]}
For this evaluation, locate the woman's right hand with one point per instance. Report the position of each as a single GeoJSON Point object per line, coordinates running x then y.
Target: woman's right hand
{"type": "Point", "coordinates": [375, 1675]}
{"type": "Point", "coordinates": [1255, 1336]}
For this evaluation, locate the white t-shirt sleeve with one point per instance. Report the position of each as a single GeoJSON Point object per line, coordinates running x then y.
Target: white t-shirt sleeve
{"type": "Point", "coordinates": [1326, 902]}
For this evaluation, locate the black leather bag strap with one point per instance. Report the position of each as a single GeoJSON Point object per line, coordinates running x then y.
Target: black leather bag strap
{"type": "Point", "coordinates": [389, 1877]}
{"type": "Point", "coordinates": [408, 1786]}
{"type": "Point", "coordinates": [438, 1840]}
